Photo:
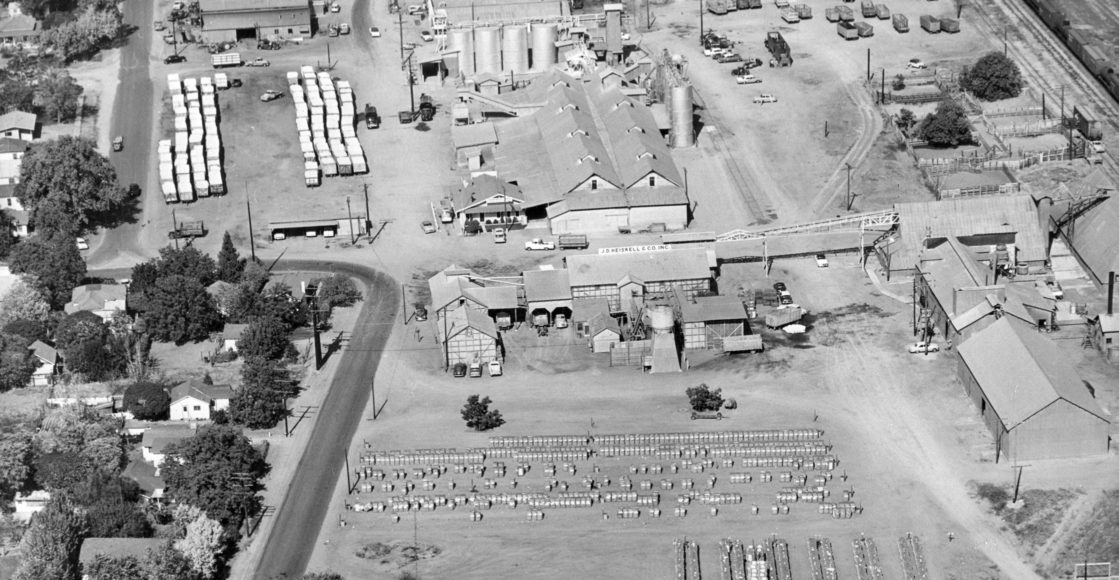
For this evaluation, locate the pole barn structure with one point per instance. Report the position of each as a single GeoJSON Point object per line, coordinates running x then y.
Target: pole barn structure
{"type": "Point", "coordinates": [1030, 397]}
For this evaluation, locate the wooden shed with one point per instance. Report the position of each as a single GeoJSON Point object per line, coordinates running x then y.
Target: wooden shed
{"type": "Point", "coordinates": [467, 335]}
{"type": "Point", "coordinates": [710, 319]}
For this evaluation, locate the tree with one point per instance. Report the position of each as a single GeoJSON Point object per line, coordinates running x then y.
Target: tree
{"type": "Point", "coordinates": [336, 291]}
{"type": "Point", "coordinates": [180, 310]}
{"type": "Point", "coordinates": [57, 94]}
{"type": "Point", "coordinates": [59, 471]}
{"type": "Point", "coordinates": [49, 548]}
{"type": "Point", "coordinates": [947, 126]}
{"type": "Point", "coordinates": [17, 454]}
{"type": "Point", "coordinates": [217, 470]}
{"type": "Point", "coordinates": [54, 264]}
{"type": "Point", "coordinates": [906, 120]}
{"type": "Point", "coordinates": [202, 544]}
{"type": "Point", "coordinates": [188, 262]}
{"type": "Point", "coordinates": [79, 327]}
{"type": "Point", "coordinates": [83, 36]}
{"type": "Point", "coordinates": [265, 337]}
{"type": "Point", "coordinates": [702, 398]}
{"type": "Point", "coordinates": [993, 77]}
{"type": "Point", "coordinates": [17, 362]}
{"type": "Point", "coordinates": [23, 301]}
{"type": "Point", "coordinates": [28, 330]}
{"type": "Point", "coordinates": [7, 224]}
{"type": "Point", "coordinates": [260, 402]}
{"type": "Point", "coordinates": [114, 568]}
{"type": "Point", "coordinates": [478, 415]}
{"type": "Point", "coordinates": [147, 401]}
{"type": "Point", "coordinates": [40, 9]}
{"type": "Point", "coordinates": [64, 183]}
{"type": "Point", "coordinates": [167, 563]}
{"type": "Point", "coordinates": [111, 503]}
{"type": "Point", "coordinates": [230, 263]}
{"type": "Point", "coordinates": [899, 83]}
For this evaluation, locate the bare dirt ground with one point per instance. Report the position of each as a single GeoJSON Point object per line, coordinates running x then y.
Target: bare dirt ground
{"type": "Point", "coordinates": [99, 79]}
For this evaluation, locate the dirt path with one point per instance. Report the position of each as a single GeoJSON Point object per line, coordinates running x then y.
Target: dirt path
{"type": "Point", "coordinates": [824, 202]}
{"type": "Point", "coordinates": [1077, 514]}
{"type": "Point", "coordinates": [905, 434]}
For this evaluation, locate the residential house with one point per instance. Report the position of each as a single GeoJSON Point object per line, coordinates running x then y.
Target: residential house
{"type": "Point", "coordinates": [18, 29]}
{"type": "Point", "coordinates": [196, 401]}
{"type": "Point", "coordinates": [13, 208]}
{"type": "Point", "coordinates": [49, 364]}
{"type": "Point", "coordinates": [230, 334]}
{"type": "Point", "coordinates": [31, 503]}
{"type": "Point", "coordinates": [154, 443]}
{"type": "Point", "coordinates": [12, 152]}
{"type": "Point", "coordinates": [489, 201]}
{"type": "Point", "coordinates": [19, 125]}
{"type": "Point", "coordinates": [104, 300]}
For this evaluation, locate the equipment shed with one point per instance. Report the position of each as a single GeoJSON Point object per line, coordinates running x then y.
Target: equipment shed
{"type": "Point", "coordinates": [470, 337]}
{"type": "Point", "coordinates": [548, 293]}
{"type": "Point", "coordinates": [232, 20]}
{"type": "Point", "coordinates": [712, 319]}
{"type": "Point", "coordinates": [1030, 397]}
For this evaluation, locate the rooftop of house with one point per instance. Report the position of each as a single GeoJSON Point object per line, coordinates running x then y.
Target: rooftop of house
{"type": "Point", "coordinates": [21, 120]}
{"type": "Point", "coordinates": [201, 391]}
{"type": "Point", "coordinates": [44, 352]}
{"type": "Point", "coordinates": [95, 296]}
{"type": "Point", "coordinates": [158, 437]}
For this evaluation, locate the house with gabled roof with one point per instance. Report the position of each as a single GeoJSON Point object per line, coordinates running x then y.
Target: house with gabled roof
{"type": "Point", "coordinates": [49, 363]}
{"type": "Point", "coordinates": [455, 288]}
{"type": "Point", "coordinates": [104, 300]}
{"type": "Point", "coordinates": [196, 401]}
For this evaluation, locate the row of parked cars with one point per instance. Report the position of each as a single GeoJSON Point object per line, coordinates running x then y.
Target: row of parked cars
{"type": "Point", "coordinates": [474, 369]}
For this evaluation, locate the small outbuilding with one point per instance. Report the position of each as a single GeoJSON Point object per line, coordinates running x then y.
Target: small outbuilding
{"type": "Point", "coordinates": [196, 401]}
{"type": "Point", "coordinates": [1030, 396]}
{"type": "Point", "coordinates": [230, 334]}
{"type": "Point", "coordinates": [466, 335]}
{"type": "Point", "coordinates": [30, 503]}
{"type": "Point", "coordinates": [48, 364]}
{"type": "Point", "coordinates": [709, 320]}
{"type": "Point", "coordinates": [19, 125]}
{"type": "Point", "coordinates": [1105, 334]}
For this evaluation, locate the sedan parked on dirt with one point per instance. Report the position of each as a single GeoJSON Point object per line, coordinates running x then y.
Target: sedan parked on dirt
{"type": "Point", "coordinates": [924, 347]}
{"type": "Point", "coordinates": [747, 80]}
{"type": "Point", "coordinates": [765, 98]}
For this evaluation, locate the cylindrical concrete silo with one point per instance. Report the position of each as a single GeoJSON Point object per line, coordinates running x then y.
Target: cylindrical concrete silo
{"type": "Point", "coordinates": [514, 49]}
{"type": "Point", "coordinates": [462, 40]}
{"type": "Point", "coordinates": [543, 47]}
{"type": "Point", "coordinates": [683, 131]}
{"type": "Point", "coordinates": [487, 50]}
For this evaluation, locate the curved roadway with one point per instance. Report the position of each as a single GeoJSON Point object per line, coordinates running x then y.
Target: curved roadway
{"type": "Point", "coordinates": [300, 515]}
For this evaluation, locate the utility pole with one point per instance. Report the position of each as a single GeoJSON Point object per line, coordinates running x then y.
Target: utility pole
{"type": "Point", "coordinates": [882, 93]}
{"type": "Point", "coordinates": [350, 213]}
{"type": "Point", "coordinates": [868, 65]}
{"type": "Point", "coordinates": [404, 304]}
{"type": "Point", "coordinates": [249, 211]}
{"type": "Point", "coordinates": [400, 22]}
{"type": "Point", "coordinates": [368, 215]}
{"type": "Point", "coordinates": [849, 200]}
{"type": "Point", "coordinates": [1018, 482]}
{"type": "Point", "coordinates": [349, 486]}
{"type": "Point", "coordinates": [373, 397]}
{"type": "Point", "coordinates": [315, 331]}
{"type": "Point", "coordinates": [175, 228]}
{"type": "Point", "coordinates": [701, 22]}
{"type": "Point", "coordinates": [411, 87]}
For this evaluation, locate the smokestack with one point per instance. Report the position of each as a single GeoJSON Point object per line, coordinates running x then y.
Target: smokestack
{"type": "Point", "coordinates": [1110, 292]}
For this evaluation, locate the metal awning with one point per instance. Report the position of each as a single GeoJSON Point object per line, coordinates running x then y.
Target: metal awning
{"type": "Point", "coordinates": [493, 208]}
{"type": "Point", "coordinates": [303, 225]}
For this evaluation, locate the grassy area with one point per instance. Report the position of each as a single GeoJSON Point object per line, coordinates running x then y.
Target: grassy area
{"type": "Point", "coordinates": [1097, 540]}
{"type": "Point", "coordinates": [1038, 515]}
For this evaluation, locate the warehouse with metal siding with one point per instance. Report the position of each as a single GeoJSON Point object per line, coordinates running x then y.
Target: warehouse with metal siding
{"type": "Point", "coordinates": [230, 20]}
{"type": "Point", "coordinates": [1030, 397]}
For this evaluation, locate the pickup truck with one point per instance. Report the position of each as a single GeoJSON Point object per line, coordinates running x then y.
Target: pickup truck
{"type": "Point", "coordinates": [539, 244]}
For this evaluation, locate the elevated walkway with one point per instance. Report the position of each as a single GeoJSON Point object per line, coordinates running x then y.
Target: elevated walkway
{"type": "Point", "coordinates": [496, 104]}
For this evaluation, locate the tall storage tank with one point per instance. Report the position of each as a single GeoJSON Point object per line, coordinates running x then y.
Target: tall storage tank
{"type": "Point", "coordinates": [487, 50]}
{"type": "Point", "coordinates": [514, 49]}
{"type": "Point", "coordinates": [543, 47]}
{"type": "Point", "coordinates": [683, 133]}
{"type": "Point", "coordinates": [462, 40]}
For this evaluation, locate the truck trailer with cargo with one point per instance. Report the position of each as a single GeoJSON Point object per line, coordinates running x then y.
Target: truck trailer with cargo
{"type": "Point", "coordinates": [1088, 126]}
{"type": "Point", "coordinates": [901, 23]}
{"type": "Point", "coordinates": [883, 11]}
{"type": "Point", "coordinates": [949, 25]}
{"type": "Point", "coordinates": [930, 24]}
{"type": "Point", "coordinates": [226, 59]}
{"type": "Point", "coordinates": [865, 30]}
{"type": "Point", "coordinates": [847, 30]}
{"type": "Point", "coordinates": [869, 9]}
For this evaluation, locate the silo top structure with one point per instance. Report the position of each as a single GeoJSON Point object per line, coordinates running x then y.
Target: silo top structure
{"type": "Point", "coordinates": [543, 47]}
{"type": "Point", "coordinates": [487, 50]}
{"type": "Point", "coordinates": [514, 49]}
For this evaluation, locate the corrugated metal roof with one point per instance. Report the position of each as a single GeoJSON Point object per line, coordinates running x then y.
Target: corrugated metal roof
{"type": "Point", "coordinates": [462, 319]}
{"type": "Point", "coordinates": [590, 309]}
{"type": "Point", "coordinates": [1096, 233]}
{"type": "Point", "coordinates": [21, 120]}
{"type": "Point", "coordinates": [473, 135]}
{"type": "Point", "coordinates": [970, 216]}
{"type": "Point", "coordinates": [949, 267]}
{"type": "Point", "coordinates": [543, 285]}
{"type": "Point", "coordinates": [1022, 372]}
{"type": "Point", "coordinates": [464, 11]}
{"type": "Point", "coordinates": [712, 309]}
{"type": "Point", "coordinates": [250, 5]}
{"type": "Point", "coordinates": [658, 266]}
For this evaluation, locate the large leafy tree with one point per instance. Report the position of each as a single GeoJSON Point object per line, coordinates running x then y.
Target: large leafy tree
{"type": "Point", "coordinates": [993, 77]}
{"type": "Point", "coordinates": [478, 415]}
{"type": "Point", "coordinates": [7, 224]}
{"type": "Point", "coordinates": [265, 337]}
{"type": "Point", "coordinates": [93, 29]}
{"type": "Point", "coordinates": [54, 264]}
{"type": "Point", "coordinates": [23, 301]}
{"type": "Point", "coordinates": [219, 471]}
{"type": "Point", "coordinates": [65, 182]}
{"type": "Point", "coordinates": [188, 262]}
{"type": "Point", "coordinates": [147, 401]}
{"type": "Point", "coordinates": [17, 454]}
{"type": "Point", "coordinates": [79, 327]}
{"type": "Point", "coordinates": [56, 95]}
{"type": "Point", "coordinates": [49, 548]}
{"type": "Point", "coordinates": [230, 263]}
{"type": "Point", "coordinates": [202, 544]}
{"type": "Point", "coordinates": [180, 310]}
{"type": "Point", "coordinates": [17, 362]}
{"type": "Point", "coordinates": [947, 126]}
{"type": "Point", "coordinates": [260, 402]}
{"type": "Point", "coordinates": [114, 568]}
{"type": "Point", "coordinates": [167, 563]}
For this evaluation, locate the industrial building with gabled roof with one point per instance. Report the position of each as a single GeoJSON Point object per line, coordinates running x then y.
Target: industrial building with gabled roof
{"type": "Point", "coordinates": [624, 278]}
{"type": "Point", "coordinates": [1030, 396]}
{"type": "Point", "coordinates": [1094, 235]}
{"type": "Point", "coordinates": [466, 335]}
{"type": "Point", "coordinates": [595, 158]}
{"type": "Point", "coordinates": [548, 293]}
{"type": "Point", "coordinates": [709, 320]}
{"type": "Point", "coordinates": [455, 287]}
{"type": "Point", "coordinates": [232, 20]}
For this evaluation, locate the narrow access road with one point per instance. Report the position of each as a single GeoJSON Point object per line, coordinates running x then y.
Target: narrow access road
{"type": "Point", "coordinates": [300, 515]}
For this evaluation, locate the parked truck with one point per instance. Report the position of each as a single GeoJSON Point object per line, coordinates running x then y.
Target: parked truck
{"type": "Point", "coordinates": [775, 43]}
{"type": "Point", "coordinates": [930, 23]}
{"type": "Point", "coordinates": [783, 316]}
{"type": "Point", "coordinates": [804, 11]}
{"type": "Point", "coordinates": [718, 7]}
{"type": "Point", "coordinates": [865, 30]}
{"type": "Point", "coordinates": [1088, 126]}
{"type": "Point", "coordinates": [901, 23]}
{"type": "Point", "coordinates": [883, 11]}
{"type": "Point", "coordinates": [949, 25]}
{"type": "Point", "coordinates": [188, 230]}
{"type": "Point", "coordinates": [226, 59]}
{"type": "Point", "coordinates": [572, 242]}
{"type": "Point", "coordinates": [846, 14]}
{"type": "Point", "coordinates": [832, 14]}
{"type": "Point", "coordinates": [869, 10]}
{"type": "Point", "coordinates": [847, 30]}
{"type": "Point", "coordinates": [791, 17]}
{"type": "Point", "coordinates": [427, 108]}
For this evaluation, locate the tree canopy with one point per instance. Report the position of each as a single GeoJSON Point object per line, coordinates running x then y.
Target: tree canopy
{"type": "Point", "coordinates": [948, 126]}
{"type": "Point", "coordinates": [188, 262]}
{"type": "Point", "coordinates": [64, 183]}
{"type": "Point", "coordinates": [56, 95]}
{"type": "Point", "coordinates": [180, 310]}
{"type": "Point", "coordinates": [49, 548]}
{"type": "Point", "coordinates": [259, 403]}
{"type": "Point", "coordinates": [147, 401]}
{"type": "Point", "coordinates": [265, 337]}
{"type": "Point", "coordinates": [17, 362]}
{"type": "Point", "coordinates": [993, 77]}
{"type": "Point", "coordinates": [54, 264]}
{"type": "Point", "coordinates": [703, 398]}
{"type": "Point", "coordinates": [23, 301]}
{"type": "Point", "coordinates": [230, 263]}
{"type": "Point", "coordinates": [94, 28]}
{"type": "Point", "coordinates": [217, 470]}
{"type": "Point", "coordinates": [478, 415]}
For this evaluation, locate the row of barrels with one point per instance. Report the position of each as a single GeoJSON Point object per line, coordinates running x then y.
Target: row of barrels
{"type": "Point", "coordinates": [806, 495]}
{"type": "Point", "coordinates": [709, 436]}
{"type": "Point", "coordinates": [569, 455]}
{"type": "Point", "coordinates": [414, 458]}
{"type": "Point", "coordinates": [573, 502]}
{"type": "Point", "coordinates": [841, 510]}
{"type": "Point", "coordinates": [538, 440]}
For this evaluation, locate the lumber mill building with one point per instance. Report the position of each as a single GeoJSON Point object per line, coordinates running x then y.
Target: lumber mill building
{"type": "Point", "coordinates": [625, 277]}
{"type": "Point", "coordinates": [1030, 396]}
{"type": "Point", "coordinates": [233, 20]}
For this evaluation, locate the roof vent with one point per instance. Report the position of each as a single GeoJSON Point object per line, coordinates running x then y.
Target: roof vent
{"type": "Point", "coordinates": [567, 106]}
{"type": "Point", "coordinates": [588, 156]}
{"type": "Point", "coordinates": [580, 131]}
{"type": "Point", "coordinates": [646, 155]}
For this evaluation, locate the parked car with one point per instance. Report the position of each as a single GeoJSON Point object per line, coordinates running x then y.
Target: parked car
{"type": "Point", "coordinates": [258, 62]}
{"type": "Point", "coordinates": [428, 227]}
{"type": "Point", "coordinates": [475, 370]}
{"type": "Point", "coordinates": [459, 369]}
{"type": "Point", "coordinates": [266, 44]}
{"type": "Point", "coordinates": [174, 59]}
{"type": "Point", "coordinates": [626, 37]}
{"type": "Point", "coordinates": [747, 79]}
{"type": "Point", "coordinates": [158, 25]}
{"type": "Point", "coordinates": [416, 9]}
{"type": "Point", "coordinates": [729, 57]}
{"type": "Point", "coordinates": [924, 347]}
{"type": "Point", "coordinates": [343, 28]}
{"type": "Point", "coordinates": [821, 261]}
{"type": "Point", "coordinates": [336, 7]}
{"type": "Point", "coordinates": [499, 236]}
{"type": "Point", "coordinates": [494, 368]}
{"type": "Point", "coordinates": [83, 244]}
{"type": "Point", "coordinates": [421, 313]}
{"type": "Point", "coordinates": [785, 299]}
{"type": "Point", "coordinates": [405, 117]}
{"type": "Point", "coordinates": [235, 83]}
{"type": "Point", "coordinates": [427, 36]}
{"type": "Point", "coordinates": [134, 190]}
{"type": "Point", "coordinates": [561, 320]}
{"type": "Point", "coordinates": [374, 32]}
{"type": "Point", "coordinates": [915, 63]}
{"type": "Point", "coordinates": [539, 244]}
{"type": "Point", "coordinates": [780, 287]}
{"type": "Point", "coordinates": [118, 143]}
{"type": "Point", "coordinates": [270, 95]}
{"type": "Point", "coordinates": [765, 98]}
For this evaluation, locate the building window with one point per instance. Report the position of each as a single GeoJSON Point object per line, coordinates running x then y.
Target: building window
{"type": "Point", "coordinates": [184, 408]}
{"type": "Point", "coordinates": [652, 181]}
{"type": "Point", "coordinates": [594, 184]}
{"type": "Point", "coordinates": [197, 407]}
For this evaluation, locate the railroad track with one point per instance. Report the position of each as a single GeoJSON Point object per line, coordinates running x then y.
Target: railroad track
{"type": "Point", "coordinates": [1051, 55]}
{"type": "Point", "coordinates": [867, 565]}
{"type": "Point", "coordinates": [822, 559]}
{"type": "Point", "coordinates": [912, 558]}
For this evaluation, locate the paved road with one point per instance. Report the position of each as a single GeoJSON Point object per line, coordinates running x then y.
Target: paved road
{"type": "Point", "coordinates": [131, 119]}
{"type": "Point", "coordinates": [300, 515]}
